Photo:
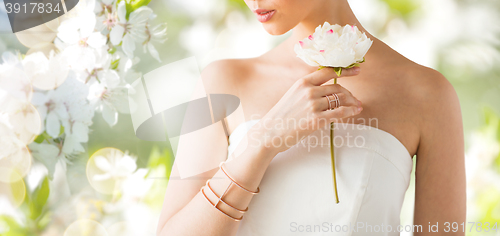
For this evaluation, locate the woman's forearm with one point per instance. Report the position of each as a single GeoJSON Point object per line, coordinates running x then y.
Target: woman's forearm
{"type": "Point", "coordinates": [199, 217]}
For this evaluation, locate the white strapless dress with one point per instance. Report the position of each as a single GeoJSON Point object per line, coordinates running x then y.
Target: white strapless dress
{"type": "Point", "coordinates": [297, 195]}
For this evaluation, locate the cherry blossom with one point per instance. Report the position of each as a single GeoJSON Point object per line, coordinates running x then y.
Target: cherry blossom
{"type": "Point", "coordinates": [130, 31]}
{"type": "Point", "coordinates": [115, 165]}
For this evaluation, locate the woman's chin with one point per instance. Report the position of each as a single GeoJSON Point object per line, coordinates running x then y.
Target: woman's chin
{"type": "Point", "coordinates": [272, 29]}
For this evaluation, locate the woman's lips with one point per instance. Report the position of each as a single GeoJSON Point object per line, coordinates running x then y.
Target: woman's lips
{"type": "Point", "coordinates": [264, 15]}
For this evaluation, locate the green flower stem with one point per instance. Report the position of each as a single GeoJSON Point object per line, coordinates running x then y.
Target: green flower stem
{"type": "Point", "coordinates": [338, 71]}
{"type": "Point", "coordinates": [332, 151]}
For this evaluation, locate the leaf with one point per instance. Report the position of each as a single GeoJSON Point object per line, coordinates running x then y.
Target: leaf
{"type": "Point", "coordinates": [404, 7]}
{"type": "Point", "coordinates": [488, 202]}
{"type": "Point", "coordinates": [39, 198]}
{"type": "Point", "coordinates": [40, 138]}
{"type": "Point", "coordinates": [44, 220]}
{"type": "Point", "coordinates": [158, 159]}
{"type": "Point", "coordinates": [492, 121]}
{"type": "Point", "coordinates": [112, 50]}
{"type": "Point", "coordinates": [238, 4]}
{"type": "Point", "coordinates": [18, 190]}
{"type": "Point", "coordinates": [497, 163]}
{"type": "Point", "coordinates": [61, 130]}
{"type": "Point", "coordinates": [129, 8]}
{"type": "Point", "coordinates": [352, 65]}
{"type": "Point", "coordinates": [47, 154]}
{"type": "Point", "coordinates": [338, 71]}
{"type": "Point", "coordinates": [139, 3]}
{"type": "Point", "coordinates": [14, 228]}
{"type": "Point", "coordinates": [115, 63]}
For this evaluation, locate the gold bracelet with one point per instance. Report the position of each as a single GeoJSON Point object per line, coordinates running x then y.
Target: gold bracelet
{"type": "Point", "coordinates": [234, 182]}
{"type": "Point", "coordinates": [215, 206]}
{"type": "Point", "coordinates": [220, 198]}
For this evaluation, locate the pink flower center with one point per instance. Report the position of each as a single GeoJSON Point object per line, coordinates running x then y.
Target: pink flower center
{"type": "Point", "coordinates": [330, 31]}
{"type": "Point", "coordinates": [50, 105]}
{"type": "Point", "coordinates": [110, 21]}
{"type": "Point", "coordinates": [83, 42]}
{"type": "Point", "coordinates": [301, 43]}
{"type": "Point", "coordinates": [310, 37]}
{"type": "Point", "coordinates": [321, 50]}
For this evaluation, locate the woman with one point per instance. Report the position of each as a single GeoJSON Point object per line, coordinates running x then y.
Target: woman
{"type": "Point", "coordinates": [416, 111]}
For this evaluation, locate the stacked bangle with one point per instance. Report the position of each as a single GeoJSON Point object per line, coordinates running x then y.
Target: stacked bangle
{"type": "Point", "coordinates": [215, 206]}
{"type": "Point", "coordinates": [220, 198]}
{"type": "Point", "coordinates": [221, 166]}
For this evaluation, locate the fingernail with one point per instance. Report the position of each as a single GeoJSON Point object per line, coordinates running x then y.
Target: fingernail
{"type": "Point", "coordinates": [360, 109]}
{"type": "Point", "coordinates": [357, 69]}
{"type": "Point", "coordinates": [359, 103]}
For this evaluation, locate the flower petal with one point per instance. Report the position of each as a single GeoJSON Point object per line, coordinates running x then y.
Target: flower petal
{"type": "Point", "coordinates": [128, 46]}
{"type": "Point", "coordinates": [87, 23]}
{"type": "Point", "coordinates": [102, 177]}
{"type": "Point", "coordinates": [116, 34]}
{"type": "Point", "coordinates": [81, 132]}
{"type": "Point", "coordinates": [140, 15]}
{"type": "Point", "coordinates": [53, 125]}
{"type": "Point", "coordinates": [103, 163]}
{"type": "Point", "coordinates": [126, 165]}
{"type": "Point", "coordinates": [122, 12]}
{"type": "Point", "coordinates": [96, 40]}
{"type": "Point", "coordinates": [153, 52]}
{"type": "Point", "coordinates": [72, 145]}
{"type": "Point", "coordinates": [109, 115]}
{"type": "Point", "coordinates": [47, 154]}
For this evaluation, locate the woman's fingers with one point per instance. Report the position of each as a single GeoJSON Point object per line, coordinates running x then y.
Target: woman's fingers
{"type": "Point", "coordinates": [341, 112]}
{"type": "Point", "coordinates": [325, 74]}
{"type": "Point", "coordinates": [329, 89]}
{"type": "Point", "coordinates": [345, 100]}
{"type": "Point", "coordinates": [345, 96]}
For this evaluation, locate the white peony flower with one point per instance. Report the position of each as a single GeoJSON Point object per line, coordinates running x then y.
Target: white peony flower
{"type": "Point", "coordinates": [334, 46]}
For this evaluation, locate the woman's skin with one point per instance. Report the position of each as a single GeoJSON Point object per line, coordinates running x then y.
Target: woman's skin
{"type": "Point", "coordinates": [414, 103]}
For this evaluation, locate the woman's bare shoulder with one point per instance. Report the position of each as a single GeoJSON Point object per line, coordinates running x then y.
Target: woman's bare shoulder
{"type": "Point", "coordinates": [227, 75]}
{"type": "Point", "coordinates": [432, 98]}
{"type": "Point", "coordinates": [425, 84]}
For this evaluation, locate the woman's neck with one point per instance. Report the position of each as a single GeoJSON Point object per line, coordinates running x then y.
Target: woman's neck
{"type": "Point", "coordinates": [333, 11]}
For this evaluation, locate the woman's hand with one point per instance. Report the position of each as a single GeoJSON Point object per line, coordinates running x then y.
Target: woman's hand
{"type": "Point", "coordinates": [304, 109]}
